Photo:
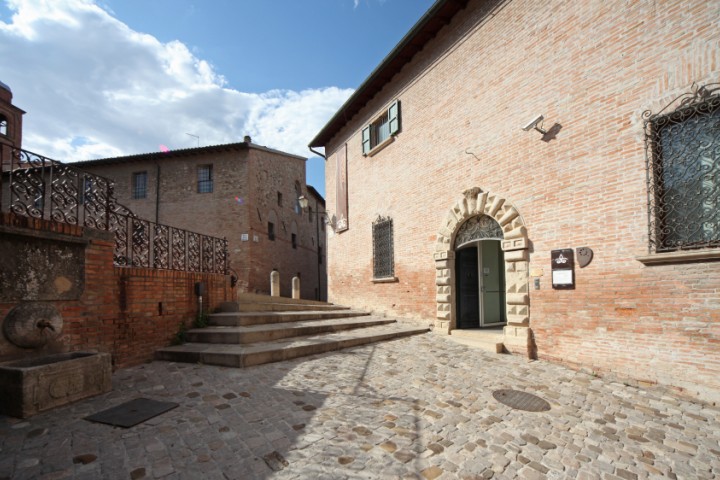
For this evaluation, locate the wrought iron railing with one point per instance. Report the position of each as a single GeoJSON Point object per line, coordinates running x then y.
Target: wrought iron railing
{"type": "Point", "coordinates": [682, 145]}
{"type": "Point", "coordinates": [39, 187]}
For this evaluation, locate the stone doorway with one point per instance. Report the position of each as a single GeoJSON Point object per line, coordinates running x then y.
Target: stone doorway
{"type": "Point", "coordinates": [464, 219]}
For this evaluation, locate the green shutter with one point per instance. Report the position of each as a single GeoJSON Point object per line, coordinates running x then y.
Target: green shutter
{"type": "Point", "coordinates": [366, 140]}
{"type": "Point", "coordinates": [394, 117]}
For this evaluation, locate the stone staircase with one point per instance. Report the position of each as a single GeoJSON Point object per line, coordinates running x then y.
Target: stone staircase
{"type": "Point", "coordinates": [261, 329]}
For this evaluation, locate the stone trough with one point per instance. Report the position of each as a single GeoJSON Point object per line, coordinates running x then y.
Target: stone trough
{"type": "Point", "coordinates": [31, 386]}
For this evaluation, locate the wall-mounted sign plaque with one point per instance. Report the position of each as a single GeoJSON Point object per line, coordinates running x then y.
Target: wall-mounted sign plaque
{"type": "Point", "coordinates": [563, 269]}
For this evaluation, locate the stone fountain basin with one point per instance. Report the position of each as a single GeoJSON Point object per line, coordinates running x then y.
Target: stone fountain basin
{"type": "Point", "coordinates": [31, 386]}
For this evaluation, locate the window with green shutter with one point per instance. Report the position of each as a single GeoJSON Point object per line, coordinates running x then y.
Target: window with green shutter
{"type": "Point", "coordinates": [381, 129]}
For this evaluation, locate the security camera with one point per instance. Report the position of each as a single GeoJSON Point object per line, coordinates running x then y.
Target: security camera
{"type": "Point", "coordinates": [534, 124]}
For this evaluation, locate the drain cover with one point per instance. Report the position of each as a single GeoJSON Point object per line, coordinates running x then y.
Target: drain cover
{"type": "Point", "coordinates": [521, 400]}
{"type": "Point", "coordinates": [131, 413]}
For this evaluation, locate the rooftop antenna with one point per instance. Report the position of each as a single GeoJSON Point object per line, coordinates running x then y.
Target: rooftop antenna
{"type": "Point", "coordinates": [196, 138]}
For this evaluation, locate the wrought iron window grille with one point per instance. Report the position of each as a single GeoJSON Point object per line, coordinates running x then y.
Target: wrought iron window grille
{"type": "Point", "coordinates": [383, 248]}
{"type": "Point", "coordinates": [42, 188]}
{"type": "Point", "coordinates": [682, 151]}
{"type": "Point", "coordinates": [205, 179]}
{"type": "Point", "coordinates": [139, 185]}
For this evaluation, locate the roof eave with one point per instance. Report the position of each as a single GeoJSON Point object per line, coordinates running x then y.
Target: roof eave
{"type": "Point", "coordinates": [437, 16]}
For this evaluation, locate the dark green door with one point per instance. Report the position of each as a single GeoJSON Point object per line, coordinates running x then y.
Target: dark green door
{"type": "Point", "coordinates": [468, 288]}
{"type": "Point", "coordinates": [492, 282]}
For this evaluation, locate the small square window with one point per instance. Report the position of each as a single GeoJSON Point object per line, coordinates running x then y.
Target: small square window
{"type": "Point", "coordinates": [139, 185]}
{"type": "Point", "coordinates": [271, 231]}
{"type": "Point", "coordinates": [205, 179]}
{"type": "Point", "coordinates": [293, 238]}
{"type": "Point", "coordinates": [382, 128]}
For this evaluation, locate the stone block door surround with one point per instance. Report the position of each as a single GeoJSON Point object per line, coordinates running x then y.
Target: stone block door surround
{"type": "Point", "coordinates": [475, 202]}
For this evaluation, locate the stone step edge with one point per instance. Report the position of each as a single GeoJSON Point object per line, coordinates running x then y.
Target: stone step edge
{"type": "Point", "coordinates": [252, 334]}
{"type": "Point", "coordinates": [243, 297]}
{"type": "Point", "coordinates": [239, 319]}
{"type": "Point", "coordinates": [285, 307]}
{"type": "Point", "coordinates": [279, 353]}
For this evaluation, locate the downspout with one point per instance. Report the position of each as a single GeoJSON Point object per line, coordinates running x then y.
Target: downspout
{"type": "Point", "coordinates": [157, 194]}
{"type": "Point", "coordinates": [318, 153]}
{"type": "Point", "coordinates": [317, 229]}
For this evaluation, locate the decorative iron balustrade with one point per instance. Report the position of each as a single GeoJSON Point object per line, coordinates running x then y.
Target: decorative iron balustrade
{"type": "Point", "coordinates": [682, 149]}
{"type": "Point", "coordinates": [39, 187]}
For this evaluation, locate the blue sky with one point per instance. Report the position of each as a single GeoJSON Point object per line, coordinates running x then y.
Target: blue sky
{"type": "Point", "coordinates": [103, 78]}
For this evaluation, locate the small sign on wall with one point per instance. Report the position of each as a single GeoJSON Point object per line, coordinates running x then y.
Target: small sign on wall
{"type": "Point", "coordinates": [563, 269]}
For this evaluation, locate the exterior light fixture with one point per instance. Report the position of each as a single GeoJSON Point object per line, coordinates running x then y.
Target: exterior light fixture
{"type": "Point", "coordinates": [304, 202]}
{"type": "Point", "coordinates": [534, 124]}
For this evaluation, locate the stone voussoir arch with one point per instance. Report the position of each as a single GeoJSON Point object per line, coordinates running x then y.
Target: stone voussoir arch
{"type": "Point", "coordinates": [475, 202]}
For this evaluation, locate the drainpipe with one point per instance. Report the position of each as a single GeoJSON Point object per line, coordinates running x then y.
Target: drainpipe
{"type": "Point", "coordinates": [318, 153]}
{"type": "Point", "coordinates": [157, 194]}
{"type": "Point", "coordinates": [317, 229]}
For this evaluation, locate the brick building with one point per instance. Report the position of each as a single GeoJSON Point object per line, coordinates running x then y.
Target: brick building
{"type": "Point", "coordinates": [244, 192]}
{"type": "Point", "coordinates": [503, 145]}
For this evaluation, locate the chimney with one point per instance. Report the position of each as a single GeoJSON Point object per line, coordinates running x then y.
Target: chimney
{"type": "Point", "coordinates": [247, 139]}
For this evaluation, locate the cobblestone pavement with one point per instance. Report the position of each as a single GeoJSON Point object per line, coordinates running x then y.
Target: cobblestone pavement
{"type": "Point", "coordinates": [420, 407]}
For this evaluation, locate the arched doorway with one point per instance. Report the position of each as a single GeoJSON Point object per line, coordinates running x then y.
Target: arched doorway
{"type": "Point", "coordinates": [480, 274]}
{"type": "Point", "coordinates": [513, 258]}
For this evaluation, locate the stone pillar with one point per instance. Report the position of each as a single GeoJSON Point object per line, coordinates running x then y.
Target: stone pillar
{"type": "Point", "coordinates": [296, 288]}
{"type": "Point", "coordinates": [274, 283]}
{"type": "Point", "coordinates": [444, 287]}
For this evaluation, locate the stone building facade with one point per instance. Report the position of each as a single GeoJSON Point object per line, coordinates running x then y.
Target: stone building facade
{"type": "Point", "coordinates": [244, 192]}
{"type": "Point", "coordinates": [549, 166]}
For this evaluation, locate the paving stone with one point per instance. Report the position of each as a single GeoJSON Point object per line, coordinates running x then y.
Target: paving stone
{"type": "Point", "coordinates": [397, 409]}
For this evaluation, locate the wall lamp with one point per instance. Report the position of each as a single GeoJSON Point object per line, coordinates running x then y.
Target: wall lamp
{"type": "Point", "coordinates": [534, 124]}
{"type": "Point", "coordinates": [305, 203]}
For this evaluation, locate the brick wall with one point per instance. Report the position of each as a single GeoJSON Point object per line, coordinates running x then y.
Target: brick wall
{"type": "Point", "coordinates": [128, 312]}
{"type": "Point", "coordinates": [592, 69]}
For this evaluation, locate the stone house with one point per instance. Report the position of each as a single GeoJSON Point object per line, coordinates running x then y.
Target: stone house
{"type": "Point", "coordinates": [244, 192]}
{"type": "Point", "coordinates": [551, 167]}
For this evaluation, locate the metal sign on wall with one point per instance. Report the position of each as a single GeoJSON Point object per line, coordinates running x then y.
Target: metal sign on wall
{"type": "Point", "coordinates": [563, 269]}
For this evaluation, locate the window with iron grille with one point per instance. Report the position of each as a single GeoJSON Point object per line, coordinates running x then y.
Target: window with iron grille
{"type": "Point", "coordinates": [683, 159]}
{"type": "Point", "coordinates": [139, 185]}
{"type": "Point", "coordinates": [205, 179]}
{"type": "Point", "coordinates": [383, 249]}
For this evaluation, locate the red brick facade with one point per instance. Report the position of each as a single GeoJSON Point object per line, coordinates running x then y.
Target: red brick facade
{"type": "Point", "coordinates": [128, 312]}
{"type": "Point", "coordinates": [592, 69]}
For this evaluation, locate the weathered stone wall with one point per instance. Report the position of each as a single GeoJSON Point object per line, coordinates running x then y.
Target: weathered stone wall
{"type": "Point", "coordinates": [128, 312]}
{"type": "Point", "coordinates": [592, 69]}
{"type": "Point", "coordinates": [246, 182]}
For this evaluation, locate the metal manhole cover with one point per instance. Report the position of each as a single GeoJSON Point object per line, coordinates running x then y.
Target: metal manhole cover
{"type": "Point", "coordinates": [521, 400]}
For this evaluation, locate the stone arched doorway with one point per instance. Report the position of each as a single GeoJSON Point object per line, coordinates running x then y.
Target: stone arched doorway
{"type": "Point", "coordinates": [475, 204]}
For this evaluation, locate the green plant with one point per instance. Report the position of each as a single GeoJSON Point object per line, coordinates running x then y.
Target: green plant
{"type": "Point", "coordinates": [201, 321]}
{"type": "Point", "coordinates": [181, 335]}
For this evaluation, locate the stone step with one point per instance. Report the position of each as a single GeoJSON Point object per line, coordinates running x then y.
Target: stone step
{"type": "Point", "coordinates": [286, 349]}
{"type": "Point", "coordinates": [243, 319]}
{"type": "Point", "coordinates": [488, 339]}
{"type": "Point", "coordinates": [276, 331]}
{"type": "Point", "coordinates": [260, 298]}
{"type": "Point", "coordinates": [286, 307]}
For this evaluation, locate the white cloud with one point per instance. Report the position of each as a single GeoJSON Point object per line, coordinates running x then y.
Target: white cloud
{"type": "Point", "coordinates": [94, 88]}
